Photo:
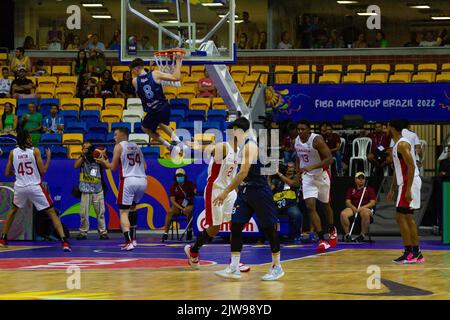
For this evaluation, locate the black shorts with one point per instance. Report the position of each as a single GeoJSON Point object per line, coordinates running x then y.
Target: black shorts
{"type": "Point", "coordinates": [153, 119]}
{"type": "Point", "coordinates": [404, 210]}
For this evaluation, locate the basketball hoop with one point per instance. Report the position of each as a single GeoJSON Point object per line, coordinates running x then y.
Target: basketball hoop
{"type": "Point", "coordinates": [165, 60]}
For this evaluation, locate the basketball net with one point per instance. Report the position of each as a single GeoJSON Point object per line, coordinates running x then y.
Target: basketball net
{"type": "Point", "coordinates": [165, 61]}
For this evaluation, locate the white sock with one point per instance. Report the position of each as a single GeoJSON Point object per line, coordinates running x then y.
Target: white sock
{"type": "Point", "coordinates": [235, 259]}
{"type": "Point", "coordinates": [166, 144]}
{"type": "Point", "coordinates": [276, 259]}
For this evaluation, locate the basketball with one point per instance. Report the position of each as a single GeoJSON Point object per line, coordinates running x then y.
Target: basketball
{"type": "Point", "coordinates": [98, 152]}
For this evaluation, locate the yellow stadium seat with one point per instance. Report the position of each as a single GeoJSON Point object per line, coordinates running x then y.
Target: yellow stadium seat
{"type": "Point", "coordinates": [283, 74]}
{"type": "Point", "coordinates": [187, 92]}
{"type": "Point", "coordinates": [198, 71]}
{"type": "Point", "coordinates": [75, 151]}
{"type": "Point", "coordinates": [352, 78]}
{"type": "Point", "coordinates": [65, 92]}
{"type": "Point", "coordinates": [218, 104]}
{"type": "Point", "coordinates": [170, 92]}
{"type": "Point", "coordinates": [165, 136]}
{"type": "Point", "coordinates": [32, 79]}
{"type": "Point", "coordinates": [240, 70]}
{"type": "Point", "coordinates": [200, 104]}
{"type": "Point", "coordinates": [247, 90]}
{"type": "Point", "coordinates": [10, 100]}
{"type": "Point", "coordinates": [423, 78]}
{"type": "Point", "coordinates": [330, 78]}
{"type": "Point", "coordinates": [70, 104]}
{"type": "Point", "coordinates": [111, 116]}
{"type": "Point", "coordinates": [306, 74]}
{"type": "Point", "coordinates": [426, 72]}
{"type": "Point", "coordinates": [61, 70]}
{"type": "Point", "coordinates": [204, 138]}
{"type": "Point", "coordinates": [239, 80]}
{"type": "Point", "coordinates": [445, 68]}
{"type": "Point", "coordinates": [263, 70]}
{"type": "Point", "coordinates": [185, 71]}
{"type": "Point", "coordinates": [45, 92]}
{"type": "Point", "coordinates": [331, 68]}
{"type": "Point", "coordinates": [114, 103]}
{"type": "Point", "coordinates": [93, 104]}
{"type": "Point", "coordinates": [250, 80]}
{"type": "Point", "coordinates": [3, 57]}
{"type": "Point", "coordinates": [117, 72]}
{"type": "Point", "coordinates": [400, 78]}
{"type": "Point", "coordinates": [445, 77]}
{"type": "Point", "coordinates": [191, 81]}
{"type": "Point", "coordinates": [72, 138]}
{"type": "Point", "coordinates": [376, 78]}
{"type": "Point", "coordinates": [404, 68]}
{"type": "Point", "coordinates": [357, 69]}
{"type": "Point", "coordinates": [383, 69]}
{"type": "Point", "coordinates": [67, 81]}
{"type": "Point", "coordinates": [47, 81]}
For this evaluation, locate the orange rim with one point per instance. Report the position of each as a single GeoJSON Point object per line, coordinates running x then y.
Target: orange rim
{"type": "Point", "coordinates": [170, 52]}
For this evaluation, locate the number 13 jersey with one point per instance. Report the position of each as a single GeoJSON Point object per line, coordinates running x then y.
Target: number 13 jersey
{"type": "Point", "coordinates": [307, 154]}
{"type": "Point", "coordinates": [131, 161]}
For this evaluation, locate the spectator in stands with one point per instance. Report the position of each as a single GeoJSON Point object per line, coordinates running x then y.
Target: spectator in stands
{"type": "Point", "coordinates": [40, 70]}
{"type": "Point", "coordinates": [443, 175]}
{"type": "Point", "coordinates": [412, 40]}
{"type": "Point", "coordinates": [5, 84]}
{"type": "Point", "coordinates": [22, 87]}
{"type": "Point", "coordinates": [287, 148]}
{"type": "Point", "coordinates": [95, 44]}
{"type": "Point", "coordinates": [443, 39]}
{"type": "Point", "coordinates": [55, 42]}
{"type": "Point", "coordinates": [361, 42]}
{"type": "Point", "coordinates": [79, 65]}
{"type": "Point", "coordinates": [335, 41]}
{"type": "Point", "coordinates": [285, 42]}
{"type": "Point", "coordinates": [96, 63]}
{"type": "Point", "coordinates": [9, 121]}
{"type": "Point", "coordinates": [75, 44]}
{"type": "Point", "coordinates": [350, 32]}
{"type": "Point", "coordinates": [354, 195]}
{"type": "Point", "coordinates": [262, 41]}
{"type": "Point", "coordinates": [86, 86]}
{"type": "Point", "coordinates": [380, 40]}
{"type": "Point", "coordinates": [107, 85]}
{"type": "Point", "coordinates": [250, 29]}
{"type": "Point", "coordinates": [28, 44]}
{"type": "Point", "coordinates": [125, 88]}
{"type": "Point", "coordinates": [243, 41]}
{"type": "Point", "coordinates": [285, 185]}
{"type": "Point", "coordinates": [444, 166]}
{"type": "Point", "coordinates": [20, 61]}
{"type": "Point", "coordinates": [378, 152]}
{"type": "Point", "coordinates": [114, 44]}
{"type": "Point", "coordinates": [305, 32]}
{"type": "Point", "coordinates": [32, 122]}
{"type": "Point", "coordinates": [206, 87]}
{"type": "Point", "coordinates": [92, 192]}
{"type": "Point", "coordinates": [54, 122]}
{"type": "Point", "coordinates": [333, 141]}
{"type": "Point", "coordinates": [145, 44]}
{"type": "Point", "coordinates": [182, 193]}
{"type": "Point", "coordinates": [429, 40]}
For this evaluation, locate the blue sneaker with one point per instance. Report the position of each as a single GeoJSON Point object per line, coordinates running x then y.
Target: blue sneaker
{"type": "Point", "coordinates": [275, 273]}
{"type": "Point", "coordinates": [229, 273]}
{"type": "Point", "coordinates": [312, 237]}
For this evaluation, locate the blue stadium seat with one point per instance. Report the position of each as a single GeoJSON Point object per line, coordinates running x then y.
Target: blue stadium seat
{"type": "Point", "coordinates": [21, 112]}
{"type": "Point", "coordinates": [110, 149]}
{"type": "Point", "coordinates": [75, 127]}
{"type": "Point", "coordinates": [98, 127]}
{"type": "Point", "coordinates": [95, 137]}
{"type": "Point", "coordinates": [188, 126]}
{"type": "Point", "coordinates": [51, 138]}
{"type": "Point", "coordinates": [217, 115]}
{"type": "Point", "coordinates": [110, 137]}
{"type": "Point", "coordinates": [69, 116]}
{"type": "Point", "coordinates": [45, 110]}
{"type": "Point", "coordinates": [90, 116]}
{"type": "Point", "coordinates": [179, 104]}
{"type": "Point", "coordinates": [151, 152]}
{"type": "Point", "coordinates": [138, 128]}
{"type": "Point", "coordinates": [177, 115]}
{"type": "Point", "coordinates": [25, 102]}
{"type": "Point", "coordinates": [195, 115]}
{"type": "Point", "coordinates": [58, 152]}
{"type": "Point", "coordinates": [211, 125]}
{"type": "Point", "coordinates": [120, 124]}
{"type": "Point", "coordinates": [6, 150]}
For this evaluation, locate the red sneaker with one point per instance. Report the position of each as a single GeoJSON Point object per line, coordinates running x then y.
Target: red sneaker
{"type": "Point", "coordinates": [243, 268]}
{"type": "Point", "coordinates": [333, 238]}
{"type": "Point", "coordinates": [66, 247]}
{"type": "Point", "coordinates": [3, 243]}
{"type": "Point", "coordinates": [323, 246]}
{"type": "Point", "coordinates": [193, 258]}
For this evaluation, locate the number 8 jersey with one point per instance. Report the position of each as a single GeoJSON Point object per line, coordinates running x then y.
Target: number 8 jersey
{"type": "Point", "coordinates": [25, 167]}
{"type": "Point", "coordinates": [131, 161]}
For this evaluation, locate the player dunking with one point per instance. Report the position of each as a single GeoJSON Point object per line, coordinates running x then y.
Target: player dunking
{"type": "Point", "coordinates": [313, 160]}
{"type": "Point", "coordinates": [28, 168]}
{"type": "Point", "coordinates": [149, 89]}
{"type": "Point", "coordinates": [409, 183]}
{"type": "Point", "coordinates": [129, 159]}
{"type": "Point", "coordinates": [254, 196]}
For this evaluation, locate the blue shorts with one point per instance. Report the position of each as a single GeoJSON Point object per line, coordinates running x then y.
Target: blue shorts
{"type": "Point", "coordinates": [153, 119]}
{"type": "Point", "coordinates": [258, 200]}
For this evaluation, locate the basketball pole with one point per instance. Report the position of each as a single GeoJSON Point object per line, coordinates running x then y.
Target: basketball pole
{"type": "Point", "coordinates": [359, 206]}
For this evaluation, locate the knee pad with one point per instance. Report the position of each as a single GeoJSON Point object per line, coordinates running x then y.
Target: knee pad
{"type": "Point", "coordinates": [132, 216]}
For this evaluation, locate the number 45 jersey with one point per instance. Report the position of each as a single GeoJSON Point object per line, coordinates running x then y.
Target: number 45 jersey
{"type": "Point", "coordinates": [25, 167]}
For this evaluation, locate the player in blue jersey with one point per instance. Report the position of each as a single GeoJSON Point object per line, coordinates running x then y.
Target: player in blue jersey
{"type": "Point", "coordinates": [150, 91]}
{"type": "Point", "coordinates": [254, 196]}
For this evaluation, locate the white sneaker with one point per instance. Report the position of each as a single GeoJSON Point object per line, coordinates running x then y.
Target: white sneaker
{"type": "Point", "coordinates": [229, 273]}
{"type": "Point", "coordinates": [275, 273]}
{"type": "Point", "coordinates": [175, 151]}
{"type": "Point", "coordinates": [134, 242]}
{"type": "Point", "coordinates": [127, 247]}
{"type": "Point", "coordinates": [243, 268]}
{"type": "Point", "coordinates": [194, 262]}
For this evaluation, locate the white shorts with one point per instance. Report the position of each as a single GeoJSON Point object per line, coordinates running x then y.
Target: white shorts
{"type": "Point", "coordinates": [415, 194]}
{"type": "Point", "coordinates": [317, 186]}
{"type": "Point", "coordinates": [216, 215]}
{"type": "Point", "coordinates": [36, 194]}
{"type": "Point", "coordinates": [131, 191]}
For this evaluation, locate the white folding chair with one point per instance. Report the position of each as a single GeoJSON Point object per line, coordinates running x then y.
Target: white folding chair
{"type": "Point", "coordinates": [139, 138]}
{"type": "Point", "coordinates": [360, 148]}
{"type": "Point", "coordinates": [135, 104]}
{"type": "Point", "coordinates": [132, 116]}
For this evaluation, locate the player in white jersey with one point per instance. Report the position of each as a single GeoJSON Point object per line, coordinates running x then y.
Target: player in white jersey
{"type": "Point", "coordinates": [128, 158]}
{"type": "Point", "coordinates": [221, 172]}
{"type": "Point", "coordinates": [313, 160]}
{"type": "Point", "coordinates": [413, 138]}
{"type": "Point", "coordinates": [408, 181]}
{"type": "Point", "coordinates": [25, 163]}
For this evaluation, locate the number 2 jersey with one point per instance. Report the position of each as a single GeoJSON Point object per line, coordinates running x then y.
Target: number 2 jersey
{"type": "Point", "coordinates": [25, 167]}
{"type": "Point", "coordinates": [150, 93]}
{"type": "Point", "coordinates": [131, 161]}
{"type": "Point", "coordinates": [220, 174]}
